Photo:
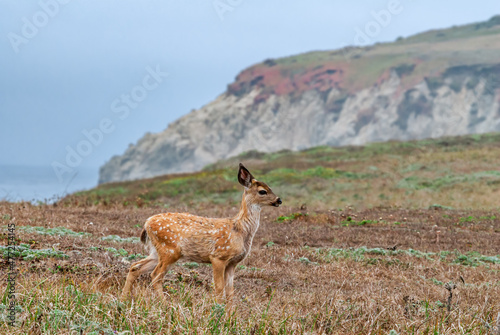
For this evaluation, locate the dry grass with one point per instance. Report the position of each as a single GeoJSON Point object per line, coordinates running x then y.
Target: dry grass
{"type": "Point", "coordinates": [307, 274]}
{"type": "Point", "coordinates": [366, 243]}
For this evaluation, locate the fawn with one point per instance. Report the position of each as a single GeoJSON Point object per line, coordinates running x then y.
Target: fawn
{"type": "Point", "coordinates": [222, 242]}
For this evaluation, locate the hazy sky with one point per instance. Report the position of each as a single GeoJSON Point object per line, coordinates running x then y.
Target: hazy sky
{"type": "Point", "coordinates": [68, 66]}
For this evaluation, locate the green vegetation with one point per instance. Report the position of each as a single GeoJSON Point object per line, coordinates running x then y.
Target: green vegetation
{"type": "Point", "coordinates": [457, 33]}
{"type": "Point", "coordinates": [290, 217]}
{"type": "Point", "coordinates": [476, 219]}
{"type": "Point", "coordinates": [306, 260]}
{"type": "Point", "coordinates": [472, 258]}
{"type": "Point", "coordinates": [25, 252]}
{"type": "Point", "coordinates": [118, 239]}
{"type": "Point", "coordinates": [349, 221]}
{"type": "Point", "coordinates": [67, 309]}
{"type": "Point", "coordinates": [425, 56]}
{"type": "Point", "coordinates": [410, 174]}
{"type": "Point", "coordinates": [253, 268]}
{"type": "Point", "coordinates": [416, 182]}
{"type": "Point", "coordinates": [191, 265]}
{"type": "Point", "coordinates": [56, 231]}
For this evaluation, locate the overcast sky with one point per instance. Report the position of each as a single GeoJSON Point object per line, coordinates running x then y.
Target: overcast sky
{"type": "Point", "coordinates": [67, 66]}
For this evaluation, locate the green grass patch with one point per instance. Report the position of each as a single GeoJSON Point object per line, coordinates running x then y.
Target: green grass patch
{"type": "Point", "coordinates": [290, 217]}
{"type": "Point", "coordinates": [471, 218]}
{"type": "Point", "coordinates": [56, 231]}
{"type": "Point", "coordinates": [306, 261]}
{"type": "Point", "coordinates": [418, 182]}
{"type": "Point", "coordinates": [118, 239]}
{"type": "Point", "coordinates": [438, 206]}
{"type": "Point", "coordinates": [350, 222]}
{"type": "Point", "coordinates": [359, 254]}
{"type": "Point", "coordinates": [474, 258]}
{"type": "Point", "coordinates": [191, 265]}
{"type": "Point", "coordinates": [243, 267]}
{"type": "Point", "coordinates": [25, 252]}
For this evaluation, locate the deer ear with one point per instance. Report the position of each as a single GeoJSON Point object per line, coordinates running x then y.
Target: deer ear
{"type": "Point", "coordinates": [244, 176]}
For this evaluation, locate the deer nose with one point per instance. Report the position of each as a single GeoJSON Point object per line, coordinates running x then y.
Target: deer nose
{"type": "Point", "coordinates": [279, 202]}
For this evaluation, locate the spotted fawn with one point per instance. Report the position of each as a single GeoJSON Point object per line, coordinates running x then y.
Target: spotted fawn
{"type": "Point", "coordinates": [222, 242]}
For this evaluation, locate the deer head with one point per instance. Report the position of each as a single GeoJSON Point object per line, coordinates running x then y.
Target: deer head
{"type": "Point", "coordinates": [256, 192]}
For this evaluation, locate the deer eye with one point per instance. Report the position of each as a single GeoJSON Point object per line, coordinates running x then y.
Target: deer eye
{"type": "Point", "coordinates": [262, 192]}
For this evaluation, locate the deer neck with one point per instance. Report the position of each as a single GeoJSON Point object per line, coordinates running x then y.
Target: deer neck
{"type": "Point", "coordinates": [248, 218]}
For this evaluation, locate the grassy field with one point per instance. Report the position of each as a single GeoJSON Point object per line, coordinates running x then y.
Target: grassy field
{"type": "Point", "coordinates": [459, 172]}
{"type": "Point", "coordinates": [370, 240]}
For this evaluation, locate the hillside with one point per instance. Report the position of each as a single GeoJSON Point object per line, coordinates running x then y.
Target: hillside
{"type": "Point", "coordinates": [458, 172]}
{"type": "Point", "coordinates": [438, 83]}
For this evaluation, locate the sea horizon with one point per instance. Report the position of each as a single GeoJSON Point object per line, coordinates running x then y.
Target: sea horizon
{"type": "Point", "coordinates": [40, 183]}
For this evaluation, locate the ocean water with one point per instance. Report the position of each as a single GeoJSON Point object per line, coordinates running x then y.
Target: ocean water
{"type": "Point", "coordinates": [40, 183]}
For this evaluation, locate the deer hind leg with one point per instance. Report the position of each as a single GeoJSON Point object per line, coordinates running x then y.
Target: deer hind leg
{"type": "Point", "coordinates": [138, 268]}
{"type": "Point", "coordinates": [167, 258]}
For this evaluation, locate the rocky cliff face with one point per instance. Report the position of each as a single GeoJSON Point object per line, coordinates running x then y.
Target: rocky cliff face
{"type": "Point", "coordinates": [425, 86]}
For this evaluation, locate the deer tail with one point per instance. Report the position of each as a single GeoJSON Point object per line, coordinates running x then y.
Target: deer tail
{"type": "Point", "coordinates": [144, 236]}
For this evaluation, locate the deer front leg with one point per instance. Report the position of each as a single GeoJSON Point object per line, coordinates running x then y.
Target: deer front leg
{"type": "Point", "coordinates": [138, 268]}
{"type": "Point", "coordinates": [219, 269]}
{"type": "Point", "coordinates": [228, 278]}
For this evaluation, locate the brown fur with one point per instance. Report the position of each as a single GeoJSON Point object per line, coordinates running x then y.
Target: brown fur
{"type": "Point", "coordinates": [222, 242]}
